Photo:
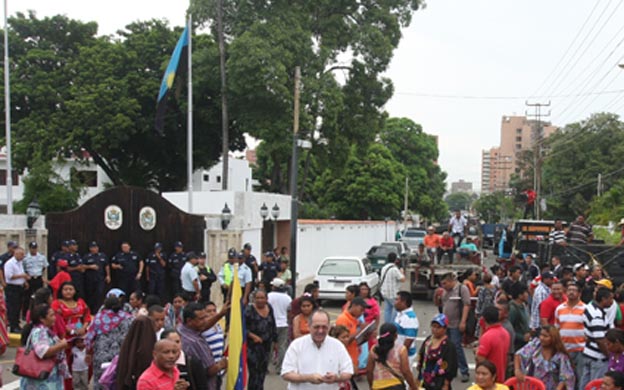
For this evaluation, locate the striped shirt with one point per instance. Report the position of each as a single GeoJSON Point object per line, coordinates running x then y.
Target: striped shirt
{"type": "Point", "coordinates": [34, 264]}
{"type": "Point", "coordinates": [541, 293]}
{"type": "Point", "coordinates": [570, 321]}
{"type": "Point", "coordinates": [579, 233]}
{"type": "Point", "coordinates": [557, 236]}
{"type": "Point", "coordinates": [215, 339]}
{"type": "Point", "coordinates": [407, 329]}
{"type": "Point", "coordinates": [595, 328]}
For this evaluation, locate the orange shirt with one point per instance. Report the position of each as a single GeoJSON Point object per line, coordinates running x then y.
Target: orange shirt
{"type": "Point", "coordinates": [431, 240]}
{"type": "Point", "coordinates": [350, 322]}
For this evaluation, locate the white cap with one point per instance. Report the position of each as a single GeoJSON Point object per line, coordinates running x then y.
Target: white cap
{"type": "Point", "coordinates": [277, 282]}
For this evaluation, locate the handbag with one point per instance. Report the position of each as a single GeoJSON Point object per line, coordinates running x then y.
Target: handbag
{"type": "Point", "coordinates": [29, 365]}
{"type": "Point", "coordinates": [396, 375]}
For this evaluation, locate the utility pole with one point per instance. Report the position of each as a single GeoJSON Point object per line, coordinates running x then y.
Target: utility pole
{"type": "Point", "coordinates": [599, 187]}
{"type": "Point", "coordinates": [538, 131]}
{"type": "Point", "coordinates": [294, 201]}
{"type": "Point", "coordinates": [225, 134]}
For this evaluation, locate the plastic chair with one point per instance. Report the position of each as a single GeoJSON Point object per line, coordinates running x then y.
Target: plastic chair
{"type": "Point", "coordinates": [594, 385]}
{"type": "Point", "coordinates": [530, 383]}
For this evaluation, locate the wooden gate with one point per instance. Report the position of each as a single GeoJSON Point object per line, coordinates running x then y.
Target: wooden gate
{"type": "Point", "coordinates": [132, 214]}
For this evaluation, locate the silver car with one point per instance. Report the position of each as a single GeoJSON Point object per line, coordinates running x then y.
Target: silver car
{"type": "Point", "coordinates": [336, 273]}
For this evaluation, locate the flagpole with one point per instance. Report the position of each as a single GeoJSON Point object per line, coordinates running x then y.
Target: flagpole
{"type": "Point", "coordinates": [7, 114]}
{"type": "Point", "coordinates": [189, 144]}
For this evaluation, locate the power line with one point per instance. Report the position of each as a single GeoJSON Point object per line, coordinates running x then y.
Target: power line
{"type": "Point", "coordinates": [578, 33]}
{"type": "Point", "coordinates": [590, 183]}
{"type": "Point", "coordinates": [567, 69]}
{"type": "Point", "coordinates": [485, 97]}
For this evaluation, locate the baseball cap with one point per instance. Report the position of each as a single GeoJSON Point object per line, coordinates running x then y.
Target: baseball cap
{"type": "Point", "coordinates": [605, 283]}
{"type": "Point", "coordinates": [116, 292]}
{"type": "Point", "coordinates": [232, 253]}
{"type": "Point", "coordinates": [192, 255]}
{"type": "Point", "coordinates": [72, 242]}
{"type": "Point", "coordinates": [93, 244]}
{"type": "Point", "coordinates": [178, 244]}
{"type": "Point", "coordinates": [158, 245]}
{"type": "Point", "coordinates": [277, 282]}
{"type": "Point", "coordinates": [578, 266]}
{"type": "Point", "coordinates": [360, 302]}
{"type": "Point", "coordinates": [247, 246]}
{"type": "Point", "coordinates": [548, 275]}
{"type": "Point", "coordinates": [32, 244]}
{"type": "Point", "coordinates": [11, 244]}
{"type": "Point", "coordinates": [269, 254]}
{"type": "Point", "coordinates": [62, 263]}
{"type": "Point", "coordinates": [202, 255]}
{"type": "Point", "coordinates": [241, 255]}
{"type": "Point", "coordinates": [65, 243]}
{"type": "Point", "coordinates": [441, 320]}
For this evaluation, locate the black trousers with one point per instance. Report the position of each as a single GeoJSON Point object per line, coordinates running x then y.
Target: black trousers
{"type": "Point", "coordinates": [34, 284]}
{"type": "Point", "coordinates": [14, 297]}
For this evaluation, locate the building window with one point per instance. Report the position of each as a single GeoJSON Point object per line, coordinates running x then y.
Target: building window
{"type": "Point", "coordinates": [518, 146]}
{"type": "Point", "coordinates": [519, 139]}
{"type": "Point", "coordinates": [14, 177]}
{"type": "Point", "coordinates": [206, 177]}
{"type": "Point", "coordinates": [518, 131]}
{"type": "Point", "coordinates": [86, 178]}
{"type": "Point", "coordinates": [218, 179]}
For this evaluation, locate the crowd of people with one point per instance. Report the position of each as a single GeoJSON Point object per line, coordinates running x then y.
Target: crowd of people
{"type": "Point", "coordinates": [562, 326]}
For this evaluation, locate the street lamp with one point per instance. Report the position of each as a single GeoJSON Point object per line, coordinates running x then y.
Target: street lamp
{"type": "Point", "coordinates": [275, 212]}
{"type": "Point", "coordinates": [264, 211]}
{"type": "Point", "coordinates": [621, 65]}
{"type": "Point", "coordinates": [33, 211]}
{"type": "Point", "coordinates": [226, 217]}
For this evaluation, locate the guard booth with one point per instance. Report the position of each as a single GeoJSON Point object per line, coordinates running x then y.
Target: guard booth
{"type": "Point", "coordinates": [132, 214]}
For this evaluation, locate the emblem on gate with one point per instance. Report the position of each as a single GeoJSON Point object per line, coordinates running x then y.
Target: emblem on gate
{"type": "Point", "coordinates": [147, 218]}
{"type": "Point", "coordinates": [113, 217]}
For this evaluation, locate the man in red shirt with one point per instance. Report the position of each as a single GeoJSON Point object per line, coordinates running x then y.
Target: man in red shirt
{"type": "Point", "coordinates": [447, 245]}
{"type": "Point", "coordinates": [550, 304]}
{"type": "Point", "coordinates": [530, 203]}
{"type": "Point", "coordinates": [163, 373]}
{"type": "Point", "coordinates": [494, 343]}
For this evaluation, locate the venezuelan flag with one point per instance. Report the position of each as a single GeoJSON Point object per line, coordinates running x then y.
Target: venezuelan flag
{"type": "Point", "coordinates": [169, 77]}
{"type": "Point", "coordinates": [237, 344]}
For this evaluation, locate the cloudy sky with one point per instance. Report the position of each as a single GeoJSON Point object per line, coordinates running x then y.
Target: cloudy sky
{"type": "Point", "coordinates": [463, 64]}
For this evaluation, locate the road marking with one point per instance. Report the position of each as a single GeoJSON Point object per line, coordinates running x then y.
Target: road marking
{"type": "Point", "coordinates": [12, 385]}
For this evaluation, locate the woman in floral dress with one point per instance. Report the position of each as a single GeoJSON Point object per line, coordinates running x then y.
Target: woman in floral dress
{"type": "Point", "coordinates": [437, 358]}
{"type": "Point", "coordinates": [261, 334]}
{"type": "Point", "coordinates": [105, 335]}
{"type": "Point", "coordinates": [546, 359]}
{"type": "Point", "coordinates": [46, 346]}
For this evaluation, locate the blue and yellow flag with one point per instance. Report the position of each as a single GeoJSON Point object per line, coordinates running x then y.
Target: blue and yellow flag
{"type": "Point", "coordinates": [237, 347]}
{"type": "Point", "coordinates": [169, 77]}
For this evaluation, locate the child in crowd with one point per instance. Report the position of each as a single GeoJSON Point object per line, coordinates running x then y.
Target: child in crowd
{"type": "Point", "coordinates": [80, 367]}
{"type": "Point", "coordinates": [341, 333]}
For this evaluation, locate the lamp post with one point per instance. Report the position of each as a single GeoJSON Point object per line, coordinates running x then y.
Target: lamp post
{"type": "Point", "coordinates": [275, 212]}
{"type": "Point", "coordinates": [226, 217]}
{"type": "Point", "coordinates": [264, 211]}
{"type": "Point", "coordinates": [33, 211]}
{"type": "Point", "coordinates": [386, 221]}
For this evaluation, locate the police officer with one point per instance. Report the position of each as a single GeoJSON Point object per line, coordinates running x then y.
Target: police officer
{"type": "Point", "coordinates": [35, 265]}
{"type": "Point", "coordinates": [76, 268]}
{"type": "Point", "coordinates": [175, 263]}
{"type": "Point", "coordinates": [269, 268]}
{"type": "Point", "coordinates": [251, 262]}
{"type": "Point", "coordinates": [11, 245]}
{"type": "Point", "coordinates": [63, 254]}
{"type": "Point", "coordinates": [97, 274]}
{"type": "Point", "coordinates": [156, 264]}
{"type": "Point", "coordinates": [128, 267]}
{"type": "Point", "coordinates": [206, 277]}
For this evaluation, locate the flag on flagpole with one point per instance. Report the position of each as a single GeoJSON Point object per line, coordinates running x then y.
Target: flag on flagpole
{"type": "Point", "coordinates": [237, 346]}
{"type": "Point", "coordinates": [169, 77]}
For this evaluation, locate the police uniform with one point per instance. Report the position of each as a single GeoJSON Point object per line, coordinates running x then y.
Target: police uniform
{"type": "Point", "coordinates": [156, 271]}
{"type": "Point", "coordinates": [205, 270]}
{"type": "Point", "coordinates": [269, 269]}
{"type": "Point", "coordinates": [95, 279]}
{"type": "Point", "coordinates": [175, 263]}
{"type": "Point", "coordinates": [56, 256]}
{"type": "Point", "coordinates": [126, 277]}
{"type": "Point", "coordinates": [34, 266]}
{"type": "Point", "coordinates": [74, 259]}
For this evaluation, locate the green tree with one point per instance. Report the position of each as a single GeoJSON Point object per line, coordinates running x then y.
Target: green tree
{"type": "Point", "coordinates": [418, 152]}
{"type": "Point", "coordinates": [367, 187]}
{"type": "Point", "coordinates": [51, 191]}
{"type": "Point", "coordinates": [610, 206]}
{"type": "Point", "coordinates": [459, 201]}
{"type": "Point", "coordinates": [82, 96]}
{"type": "Point", "coordinates": [496, 207]}
{"type": "Point", "coordinates": [576, 155]}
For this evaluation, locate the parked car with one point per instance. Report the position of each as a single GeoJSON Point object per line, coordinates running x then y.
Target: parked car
{"type": "Point", "coordinates": [413, 237]}
{"type": "Point", "coordinates": [336, 273]}
{"type": "Point", "coordinates": [378, 254]}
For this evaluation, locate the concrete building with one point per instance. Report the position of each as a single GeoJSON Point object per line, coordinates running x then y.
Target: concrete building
{"type": "Point", "coordinates": [239, 176]}
{"type": "Point", "coordinates": [517, 134]}
{"type": "Point", "coordinates": [461, 186]}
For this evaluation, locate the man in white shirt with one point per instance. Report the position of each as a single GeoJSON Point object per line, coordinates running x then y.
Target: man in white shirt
{"type": "Point", "coordinates": [457, 227]}
{"type": "Point", "coordinates": [190, 278]}
{"type": "Point", "coordinates": [391, 278]}
{"type": "Point", "coordinates": [17, 282]}
{"type": "Point", "coordinates": [280, 301]}
{"type": "Point", "coordinates": [315, 361]}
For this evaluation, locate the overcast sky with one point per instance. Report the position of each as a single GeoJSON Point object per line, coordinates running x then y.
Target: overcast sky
{"type": "Point", "coordinates": [461, 65]}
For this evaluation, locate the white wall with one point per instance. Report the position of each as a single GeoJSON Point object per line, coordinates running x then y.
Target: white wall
{"type": "Point", "coordinates": [239, 176]}
{"type": "Point", "coordinates": [317, 240]}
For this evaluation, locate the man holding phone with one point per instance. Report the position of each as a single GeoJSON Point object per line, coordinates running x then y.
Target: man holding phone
{"type": "Point", "coordinates": [163, 373]}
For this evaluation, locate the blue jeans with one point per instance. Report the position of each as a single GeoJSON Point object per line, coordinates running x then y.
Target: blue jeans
{"type": "Point", "coordinates": [592, 369]}
{"type": "Point", "coordinates": [389, 310]}
{"type": "Point", "coordinates": [577, 361]}
{"type": "Point", "coordinates": [456, 337]}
